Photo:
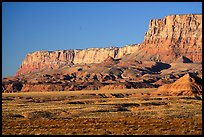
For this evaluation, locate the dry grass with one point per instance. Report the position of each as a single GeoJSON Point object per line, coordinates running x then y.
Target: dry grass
{"type": "Point", "coordinates": [132, 111]}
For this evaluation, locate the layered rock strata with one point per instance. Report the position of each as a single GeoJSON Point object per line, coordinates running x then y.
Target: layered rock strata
{"type": "Point", "coordinates": [166, 40]}
{"type": "Point", "coordinates": [54, 59]}
{"type": "Point", "coordinates": [189, 85]}
{"type": "Point", "coordinates": [172, 37]}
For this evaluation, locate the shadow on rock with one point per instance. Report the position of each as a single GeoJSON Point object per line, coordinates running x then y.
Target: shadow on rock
{"type": "Point", "coordinates": [160, 66]}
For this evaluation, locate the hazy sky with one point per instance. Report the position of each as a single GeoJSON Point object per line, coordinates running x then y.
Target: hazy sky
{"type": "Point", "coordinates": [32, 26]}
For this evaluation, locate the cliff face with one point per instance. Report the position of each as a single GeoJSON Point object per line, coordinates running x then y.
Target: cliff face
{"type": "Point", "coordinates": [174, 36]}
{"type": "Point", "coordinates": [44, 59]}
{"type": "Point", "coordinates": [166, 40]}
{"type": "Point", "coordinates": [94, 55]}
{"type": "Point", "coordinates": [97, 55]}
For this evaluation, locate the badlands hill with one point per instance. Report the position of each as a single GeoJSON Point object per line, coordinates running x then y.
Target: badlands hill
{"type": "Point", "coordinates": [172, 47]}
{"type": "Point", "coordinates": [189, 84]}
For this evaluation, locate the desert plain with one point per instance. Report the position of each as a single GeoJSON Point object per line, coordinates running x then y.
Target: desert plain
{"type": "Point", "coordinates": [101, 112]}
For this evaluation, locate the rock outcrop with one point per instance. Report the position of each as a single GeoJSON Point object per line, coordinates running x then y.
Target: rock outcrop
{"type": "Point", "coordinates": [172, 37]}
{"type": "Point", "coordinates": [40, 60]}
{"type": "Point", "coordinates": [166, 40]}
{"type": "Point", "coordinates": [94, 55]}
{"type": "Point", "coordinates": [189, 85]}
{"type": "Point", "coordinates": [45, 59]}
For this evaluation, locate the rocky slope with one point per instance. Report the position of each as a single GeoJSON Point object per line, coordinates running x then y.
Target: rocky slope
{"type": "Point", "coordinates": [109, 74]}
{"type": "Point", "coordinates": [189, 84]}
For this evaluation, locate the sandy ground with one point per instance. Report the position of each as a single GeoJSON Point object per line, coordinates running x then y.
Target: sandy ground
{"type": "Point", "coordinates": [100, 112]}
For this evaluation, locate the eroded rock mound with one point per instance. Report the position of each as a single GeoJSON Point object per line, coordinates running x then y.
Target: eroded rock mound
{"type": "Point", "coordinates": [189, 85]}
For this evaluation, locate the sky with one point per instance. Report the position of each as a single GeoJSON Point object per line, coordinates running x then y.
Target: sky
{"type": "Point", "coordinates": [33, 26]}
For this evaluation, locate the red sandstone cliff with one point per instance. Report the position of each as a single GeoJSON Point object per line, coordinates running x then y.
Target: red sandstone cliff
{"type": "Point", "coordinates": [166, 40]}
{"type": "Point", "coordinates": [173, 37]}
{"type": "Point", "coordinates": [44, 59]}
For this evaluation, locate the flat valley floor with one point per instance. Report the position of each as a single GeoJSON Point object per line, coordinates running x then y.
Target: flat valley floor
{"type": "Point", "coordinates": [100, 112]}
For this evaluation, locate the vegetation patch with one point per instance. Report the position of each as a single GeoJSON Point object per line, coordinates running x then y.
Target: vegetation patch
{"type": "Point", "coordinates": [38, 114]}
{"type": "Point", "coordinates": [153, 103]}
